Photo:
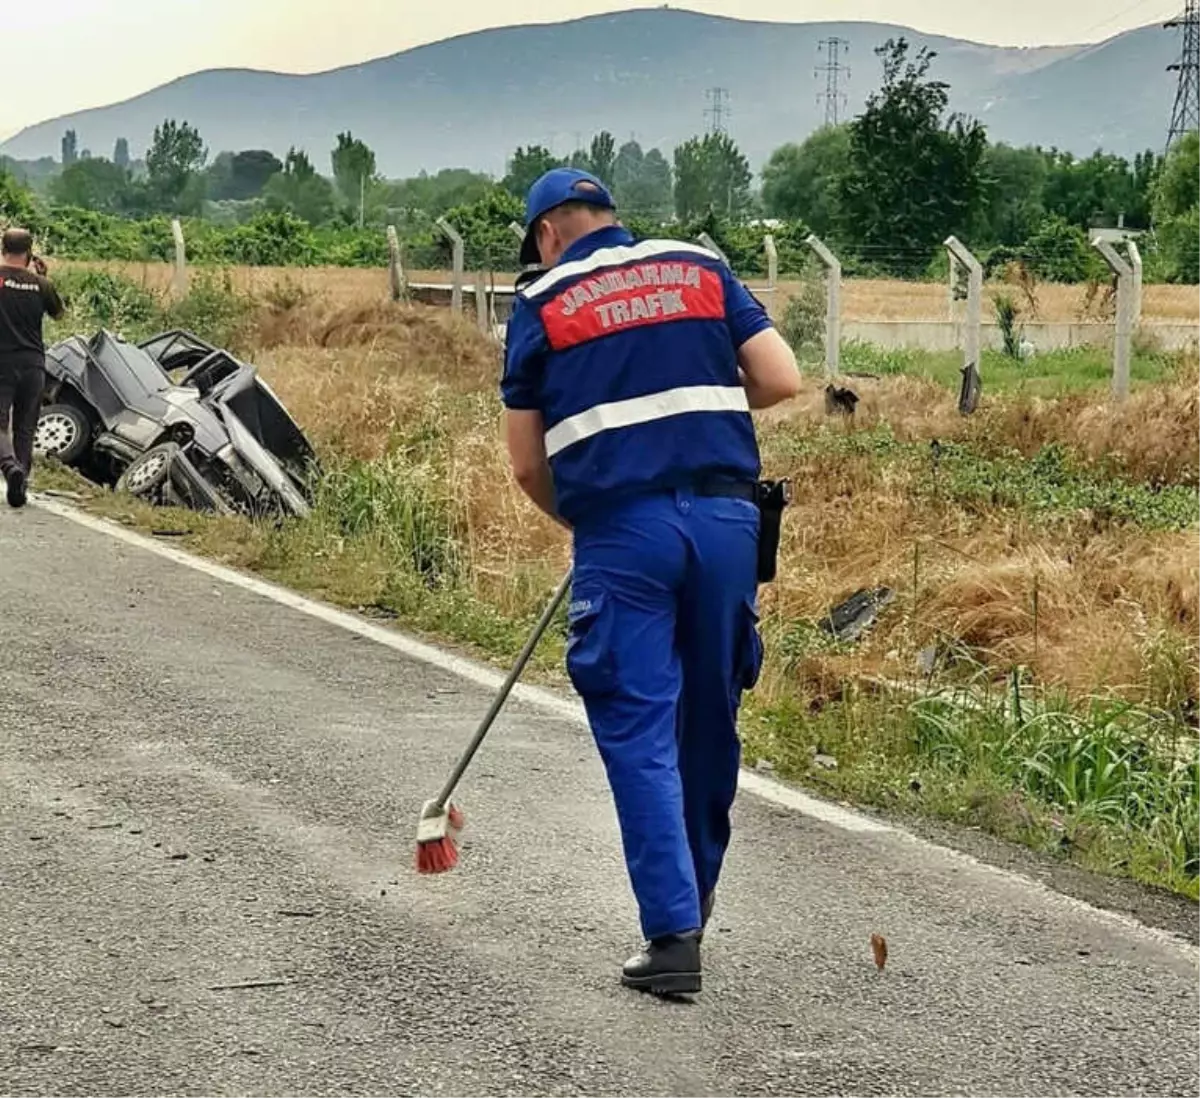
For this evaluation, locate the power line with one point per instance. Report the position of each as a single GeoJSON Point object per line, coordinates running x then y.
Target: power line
{"type": "Point", "coordinates": [717, 110]}
{"type": "Point", "coordinates": [833, 70]}
{"type": "Point", "coordinates": [1082, 36]}
{"type": "Point", "coordinates": [1185, 114]}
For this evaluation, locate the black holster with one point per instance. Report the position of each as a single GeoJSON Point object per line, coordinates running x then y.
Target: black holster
{"type": "Point", "coordinates": [772, 497]}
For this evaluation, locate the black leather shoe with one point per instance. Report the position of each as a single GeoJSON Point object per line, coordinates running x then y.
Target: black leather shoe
{"type": "Point", "coordinates": [667, 966]}
{"type": "Point", "coordinates": [16, 488]}
{"type": "Point", "coordinates": [706, 907]}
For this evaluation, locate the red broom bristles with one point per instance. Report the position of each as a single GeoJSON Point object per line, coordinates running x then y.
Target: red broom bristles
{"type": "Point", "coordinates": [437, 856]}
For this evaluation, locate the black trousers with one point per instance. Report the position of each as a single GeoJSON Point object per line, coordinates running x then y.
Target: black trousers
{"type": "Point", "coordinates": [21, 387]}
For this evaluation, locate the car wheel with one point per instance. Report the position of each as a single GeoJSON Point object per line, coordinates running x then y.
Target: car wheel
{"type": "Point", "coordinates": [63, 432]}
{"type": "Point", "coordinates": [145, 476]}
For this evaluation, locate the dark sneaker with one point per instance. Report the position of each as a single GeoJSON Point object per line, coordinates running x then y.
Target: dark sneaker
{"type": "Point", "coordinates": [667, 966]}
{"type": "Point", "coordinates": [16, 488]}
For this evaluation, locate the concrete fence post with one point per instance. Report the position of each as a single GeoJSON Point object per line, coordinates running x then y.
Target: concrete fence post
{"type": "Point", "coordinates": [457, 253]}
{"type": "Point", "coordinates": [772, 260]}
{"type": "Point", "coordinates": [396, 285]}
{"type": "Point", "coordinates": [1135, 303]}
{"type": "Point", "coordinates": [712, 246]}
{"type": "Point", "coordinates": [481, 302]}
{"type": "Point", "coordinates": [179, 277]}
{"type": "Point", "coordinates": [1123, 336]}
{"type": "Point", "coordinates": [833, 304]}
{"type": "Point", "coordinates": [956, 289]}
{"type": "Point", "coordinates": [968, 397]}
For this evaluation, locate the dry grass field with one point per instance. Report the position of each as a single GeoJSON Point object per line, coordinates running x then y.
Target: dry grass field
{"type": "Point", "coordinates": [862, 299]}
{"type": "Point", "coordinates": [1047, 540]}
{"type": "Point", "coordinates": [363, 379]}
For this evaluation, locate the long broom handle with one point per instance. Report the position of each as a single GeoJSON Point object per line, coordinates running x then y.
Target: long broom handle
{"type": "Point", "coordinates": [502, 695]}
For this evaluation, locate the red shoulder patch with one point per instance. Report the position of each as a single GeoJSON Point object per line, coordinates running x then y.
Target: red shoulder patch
{"type": "Point", "coordinates": [654, 292]}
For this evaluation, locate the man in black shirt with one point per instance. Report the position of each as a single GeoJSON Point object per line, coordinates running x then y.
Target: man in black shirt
{"type": "Point", "coordinates": [27, 296]}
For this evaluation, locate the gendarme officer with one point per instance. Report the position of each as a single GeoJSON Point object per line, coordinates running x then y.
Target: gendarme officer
{"type": "Point", "coordinates": [631, 369]}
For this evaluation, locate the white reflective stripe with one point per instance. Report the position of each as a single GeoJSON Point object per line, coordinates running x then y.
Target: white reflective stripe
{"type": "Point", "coordinates": [645, 409]}
{"type": "Point", "coordinates": [609, 257]}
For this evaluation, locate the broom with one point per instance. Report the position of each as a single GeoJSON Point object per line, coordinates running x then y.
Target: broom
{"type": "Point", "coordinates": [440, 822]}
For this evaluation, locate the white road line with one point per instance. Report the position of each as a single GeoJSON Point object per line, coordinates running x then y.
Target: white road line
{"type": "Point", "coordinates": [572, 710]}
{"type": "Point", "coordinates": [567, 708]}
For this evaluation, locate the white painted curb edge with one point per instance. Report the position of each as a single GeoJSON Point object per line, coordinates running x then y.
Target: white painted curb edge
{"type": "Point", "coordinates": [549, 701]}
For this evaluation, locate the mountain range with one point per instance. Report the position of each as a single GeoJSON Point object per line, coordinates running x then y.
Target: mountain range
{"type": "Point", "coordinates": [469, 101]}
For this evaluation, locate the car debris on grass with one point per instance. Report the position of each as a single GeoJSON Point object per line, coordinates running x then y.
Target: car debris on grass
{"type": "Point", "coordinates": [175, 421]}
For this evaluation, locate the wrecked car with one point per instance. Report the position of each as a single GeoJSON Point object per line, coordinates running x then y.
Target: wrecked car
{"type": "Point", "coordinates": [174, 420]}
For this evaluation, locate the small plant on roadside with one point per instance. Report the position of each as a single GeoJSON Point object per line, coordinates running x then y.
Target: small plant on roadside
{"type": "Point", "coordinates": [803, 321]}
{"type": "Point", "coordinates": [214, 311]}
{"type": "Point", "coordinates": [98, 299]}
{"type": "Point", "coordinates": [285, 295]}
{"type": "Point", "coordinates": [1007, 317]}
{"type": "Point", "coordinates": [400, 505]}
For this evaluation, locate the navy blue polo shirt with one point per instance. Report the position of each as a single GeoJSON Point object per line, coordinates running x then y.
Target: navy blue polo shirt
{"type": "Point", "coordinates": [629, 351]}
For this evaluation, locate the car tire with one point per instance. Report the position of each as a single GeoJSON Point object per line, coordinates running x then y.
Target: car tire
{"type": "Point", "coordinates": [145, 476]}
{"type": "Point", "coordinates": [63, 432]}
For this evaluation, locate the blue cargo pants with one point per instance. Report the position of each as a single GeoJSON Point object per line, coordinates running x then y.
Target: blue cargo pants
{"type": "Point", "coordinates": [662, 640]}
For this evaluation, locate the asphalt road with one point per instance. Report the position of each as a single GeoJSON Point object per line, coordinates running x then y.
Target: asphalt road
{"type": "Point", "coordinates": [201, 788]}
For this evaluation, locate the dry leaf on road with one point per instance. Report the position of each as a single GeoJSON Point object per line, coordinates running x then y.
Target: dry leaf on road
{"type": "Point", "coordinates": [879, 948]}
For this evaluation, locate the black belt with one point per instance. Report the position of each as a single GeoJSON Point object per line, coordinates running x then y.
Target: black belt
{"type": "Point", "coordinates": [770, 497]}
{"type": "Point", "coordinates": [731, 489]}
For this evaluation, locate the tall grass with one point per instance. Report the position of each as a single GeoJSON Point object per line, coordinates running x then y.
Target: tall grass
{"type": "Point", "coordinates": [1115, 785]}
{"type": "Point", "coordinates": [1046, 373]}
{"type": "Point", "coordinates": [403, 506]}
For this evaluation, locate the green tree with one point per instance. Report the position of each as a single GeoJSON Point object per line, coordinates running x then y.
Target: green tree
{"type": "Point", "coordinates": [1179, 244]}
{"type": "Point", "coordinates": [1146, 167]}
{"type": "Point", "coordinates": [1099, 189]}
{"type": "Point", "coordinates": [484, 225]}
{"type": "Point", "coordinates": [121, 153]}
{"type": "Point", "coordinates": [913, 175]}
{"type": "Point", "coordinates": [70, 148]}
{"type": "Point", "coordinates": [711, 176]}
{"type": "Point", "coordinates": [654, 194]}
{"type": "Point", "coordinates": [435, 194]}
{"type": "Point", "coordinates": [1058, 251]}
{"type": "Point", "coordinates": [1177, 189]}
{"type": "Point", "coordinates": [243, 175]}
{"type": "Point", "coordinates": [641, 182]}
{"type": "Point", "coordinates": [527, 164]}
{"type": "Point", "coordinates": [16, 205]}
{"type": "Point", "coordinates": [93, 184]}
{"type": "Point", "coordinates": [1014, 182]}
{"type": "Point", "coordinates": [602, 156]}
{"type": "Point", "coordinates": [173, 164]}
{"type": "Point", "coordinates": [353, 167]}
{"type": "Point", "coordinates": [1176, 209]}
{"type": "Point", "coordinates": [627, 168]}
{"type": "Point", "coordinates": [299, 190]}
{"type": "Point", "coordinates": [801, 181]}
{"type": "Point", "coordinates": [297, 165]}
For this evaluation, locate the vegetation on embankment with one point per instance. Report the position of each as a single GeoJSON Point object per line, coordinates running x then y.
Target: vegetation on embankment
{"type": "Point", "coordinates": [1034, 672]}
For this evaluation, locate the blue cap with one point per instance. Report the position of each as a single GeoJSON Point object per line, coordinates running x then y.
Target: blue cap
{"type": "Point", "coordinates": [555, 187]}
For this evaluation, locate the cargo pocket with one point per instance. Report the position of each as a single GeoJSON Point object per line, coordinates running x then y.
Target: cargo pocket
{"type": "Point", "coordinates": [591, 661]}
{"type": "Point", "coordinates": [748, 651]}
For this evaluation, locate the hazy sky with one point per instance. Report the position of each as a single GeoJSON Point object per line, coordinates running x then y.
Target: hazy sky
{"type": "Point", "coordinates": [86, 53]}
